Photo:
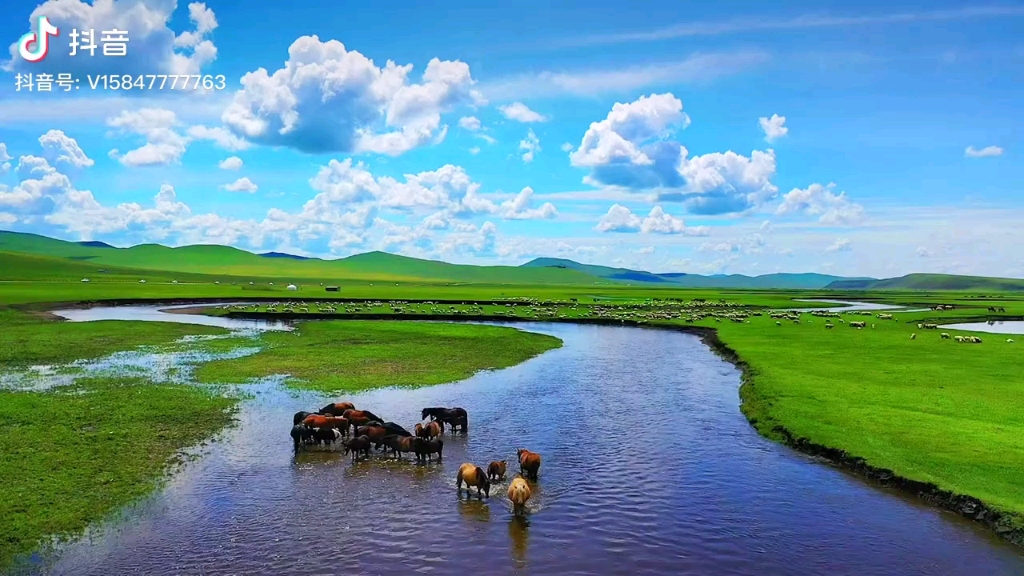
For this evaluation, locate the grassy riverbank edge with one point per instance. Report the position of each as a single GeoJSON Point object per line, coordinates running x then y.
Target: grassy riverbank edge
{"type": "Point", "coordinates": [1007, 525]}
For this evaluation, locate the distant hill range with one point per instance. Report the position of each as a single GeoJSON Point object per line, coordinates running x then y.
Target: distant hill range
{"type": "Point", "coordinates": [26, 252]}
{"type": "Point", "coordinates": [806, 281]}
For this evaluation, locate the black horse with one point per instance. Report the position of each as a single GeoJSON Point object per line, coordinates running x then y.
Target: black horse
{"type": "Point", "coordinates": [301, 433]}
{"type": "Point", "coordinates": [394, 428]}
{"type": "Point", "coordinates": [454, 417]}
{"type": "Point", "coordinates": [357, 446]}
{"type": "Point", "coordinates": [299, 417]}
{"type": "Point", "coordinates": [425, 448]}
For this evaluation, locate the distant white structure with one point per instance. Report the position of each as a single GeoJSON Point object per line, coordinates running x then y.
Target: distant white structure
{"type": "Point", "coordinates": [85, 279]}
{"type": "Point", "coordinates": [293, 287]}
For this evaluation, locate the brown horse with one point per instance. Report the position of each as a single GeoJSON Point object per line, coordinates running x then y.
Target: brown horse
{"type": "Point", "coordinates": [318, 421]}
{"type": "Point", "coordinates": [376, 434]}
{"type": "Point", "coordinates": [529, 463]}
{"type": "Point", "coordinates": [399, 444]}
{"type": "Point", "coordinates": [518, 494]}
{"type": "Point", "coordinates": [360, 417]}
{"type": "Point", "coordinates": [357, 446]}
{"type": "Point", "coordinates": [431, 430]}
{"type": "Point", "coordinates": [473, 475]}
{"type": "Point", "coordinates": [337, 408]}
{"type": "Point", "coordinates": [496, 470]}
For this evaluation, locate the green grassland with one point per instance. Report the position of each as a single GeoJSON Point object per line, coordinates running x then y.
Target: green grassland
{"type": "Point", "coordinates": [71, 456]}
{"type": "Point", "coordinates": [356, 355]}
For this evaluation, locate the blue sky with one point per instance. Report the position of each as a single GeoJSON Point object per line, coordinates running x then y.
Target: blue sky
{"type": "Point", "coordinates": [667, 136]}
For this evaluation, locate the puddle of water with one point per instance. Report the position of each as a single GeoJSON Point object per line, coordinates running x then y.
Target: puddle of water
{"type": "Point", "coordinates": [992, 326]}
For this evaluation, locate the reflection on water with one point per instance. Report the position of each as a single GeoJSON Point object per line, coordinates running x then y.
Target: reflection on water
{"type": "Point", "coordinates": [155, 313]}
{"type": "Point", "coordinates": [649, 468]}
{"type": "Point", "coordinates": [992, 326]}
{"type": "Point", "coordinates": [851, 306]}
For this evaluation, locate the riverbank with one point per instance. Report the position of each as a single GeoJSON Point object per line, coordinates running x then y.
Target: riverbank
{"type": "Point", "coordinates": [71, 456]}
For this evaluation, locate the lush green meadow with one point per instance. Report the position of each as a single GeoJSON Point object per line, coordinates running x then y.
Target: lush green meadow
{"type": "Point", "coordinates": [70, 456]}
{"type": "Point", "coordinates": [349, 356]}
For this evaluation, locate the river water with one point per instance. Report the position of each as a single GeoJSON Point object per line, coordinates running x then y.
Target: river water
{"type": "Point", "coordinates": [649, 468]}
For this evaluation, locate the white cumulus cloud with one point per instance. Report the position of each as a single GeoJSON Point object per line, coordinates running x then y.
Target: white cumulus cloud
{"type": "Point", "coordinates": [774, 127]}
{"type": "Point", "coordinates": [58, 147]}
{"type": "Point", "coordinates": [327, 98]}
{"type": "Point", "coordinates": [821, 201]}
{"type": "Point", "coordinates": [230, 163]}
{"type": "Point", "coordinates": [986, 152]}
{"type": "Point", "coordinates": [5, 165]}
{"type": "Point", "coordinates": [621, 219]}
{"type": "Point", "coordinates": [241, 185]}
{"type": "Point", "coordinates": [518, 208]}
{"type": "Point", "coordinates": [163, 144]}
{"type": "Point", "coordinates": [471, 123]}
{"type": "Point", "coordinates": [521, 113]}
{"type": "Point", "coordinates": [631, 148]}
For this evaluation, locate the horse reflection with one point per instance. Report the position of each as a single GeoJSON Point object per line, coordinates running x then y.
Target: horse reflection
{"type": "Point", "coordinates": [474, 510]}
{"type": "Point", "coordinates": [519, 536]}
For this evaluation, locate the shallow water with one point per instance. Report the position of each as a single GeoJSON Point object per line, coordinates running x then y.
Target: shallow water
{"type": "Point", "coordinates": [992, 326]}
{"type": "Point", "coordinates": [851, 306]}
{"type": "Point", "coordinates": [649, 468]}
{"type": "Point", "coordinates": [150, 313]}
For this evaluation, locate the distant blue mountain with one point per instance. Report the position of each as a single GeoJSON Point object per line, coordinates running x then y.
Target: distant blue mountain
{"type": "Point", "coordinates": [283, 255]}
{"type": "Point", "coordinates": [808, 281]}
{"type": "Point", "coordinates": [94, 244]}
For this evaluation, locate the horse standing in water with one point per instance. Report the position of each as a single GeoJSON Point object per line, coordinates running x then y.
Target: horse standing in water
{"type": "Point", "coordinates": [454, 417]}
{"type": "Point", "coordinates": [473, 475]}
{"type": "Point", "coordinates": [529, 463]}
{"type": "Point", "coordinates": [337, 408]}
{"type": "Point", "coordinates": [496, 470]}
{"type": "Point", "coordinates": [518, 494]}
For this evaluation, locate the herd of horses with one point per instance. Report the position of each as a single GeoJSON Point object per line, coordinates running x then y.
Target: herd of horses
{"type": "Point", "coordinates": [361, 431]}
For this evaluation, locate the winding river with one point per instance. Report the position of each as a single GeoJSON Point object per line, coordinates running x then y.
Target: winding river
{"type": "Point", "coordinates": [649, 468]}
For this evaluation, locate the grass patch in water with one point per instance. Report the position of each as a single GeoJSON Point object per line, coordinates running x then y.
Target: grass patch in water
{"type": "Point", "coordinates": [27, 340]}
{"type": "Point", "coordinates": [355, 355]}
{"type": "Point", "coordinates": [71, 456]}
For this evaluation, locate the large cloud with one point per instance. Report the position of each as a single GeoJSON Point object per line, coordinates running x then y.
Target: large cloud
{"type": "Point", "coordinates": [152, 47]}
{"type": "Point", "coordinates": [330, 99]}
{"type": "Point", "coordinates": [58, 147]}
{"type": "Point", "coordinates": [518, 208]}
{"type": "Point", "coordinates": [631, 148]}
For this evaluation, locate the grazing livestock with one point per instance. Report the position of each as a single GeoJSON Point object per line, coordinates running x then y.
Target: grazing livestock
{"type": "Point", "coordinates": [496, 470]}
{"type": "Point", "coordinates": [857, 324]}
{"type": "Point", "coordinates": [399, 444]}
{"type": "Point", "coordinates": [518, 494]}
{"type": "Point", "coordinates": [425, 448]}
{"type": "Point", "coordinates": [358, 445]}
{"type": "Point", "coordinates": [1009, 340]}
{"type": "Point", "coordinates": [828, 326]}
{"type": "Point", "coordinates": [913, 336]}
{"type": "Point", "coordinates": [529, 463]}
{"type": "Point", "coordinates": [920, 326]}
{"type": "Point", "coordinates": [473, 475]}
{"type": "Point", "coordinates": [337, 408]}
{"type": "Point", "coordinates": [944, 336]}
{"type": "Point", "coordinates": [301, 433]}
{"type": "Point", "coordinates": [360, 417]}
{"type": "Point", "coordinates": [431, 430]}
{"type": "Point", "coordinates": [299, 417]}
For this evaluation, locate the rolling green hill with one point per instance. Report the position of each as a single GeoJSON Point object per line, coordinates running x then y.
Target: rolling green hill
{"type": "Point", "coordinates": [932, 282]}
{"type": "Point", "coordinates": [809, 281]}
{"type": "Point", "coordinates": [212, 260]}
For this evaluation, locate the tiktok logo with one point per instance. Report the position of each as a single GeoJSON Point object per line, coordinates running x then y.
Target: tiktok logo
{"type": "Point", "coordinates": [40, 38]}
